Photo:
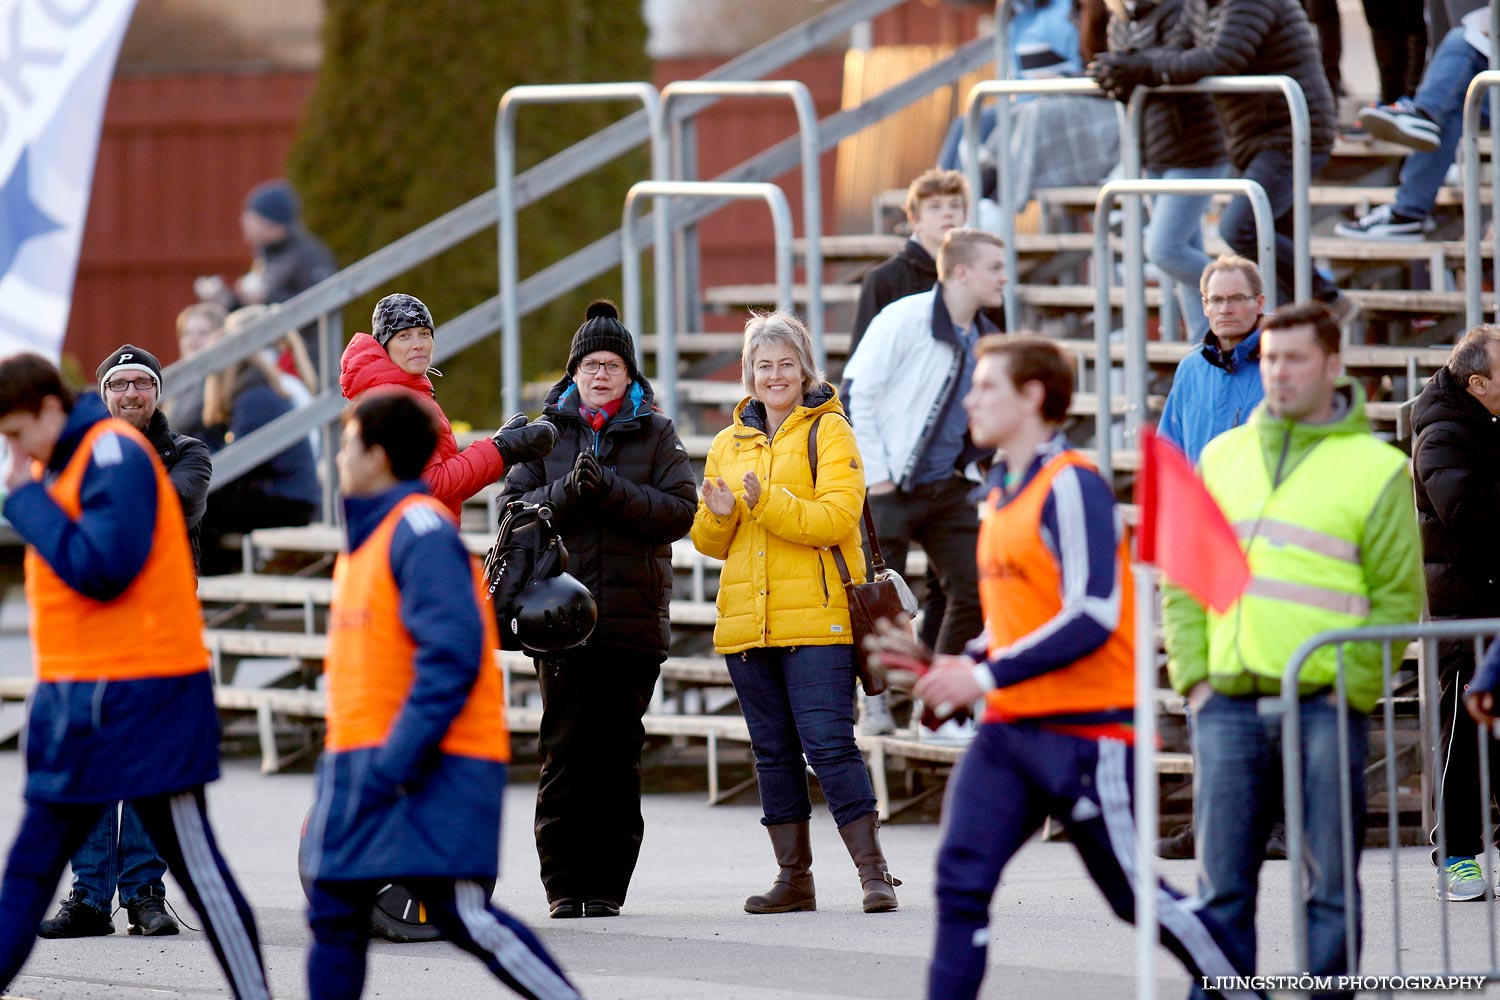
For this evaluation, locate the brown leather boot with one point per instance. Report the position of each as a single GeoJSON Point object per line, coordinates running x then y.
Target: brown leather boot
{"type": "Point", "coordinates": [863, 841]}
{"type": "Point", "coordinates": [794, 883]}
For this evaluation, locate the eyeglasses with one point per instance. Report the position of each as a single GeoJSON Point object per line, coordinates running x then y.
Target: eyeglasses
{"type": "Point", "coordinates": [592, 367]}
{"type": "Point", "coordinates": [1219, 301]}
{"type": "Point", "coordinates": [126, 384]}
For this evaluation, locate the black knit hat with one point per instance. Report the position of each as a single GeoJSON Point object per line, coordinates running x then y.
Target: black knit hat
{"type": "Point", "coordinates": [396, 312]}
{"type": "Point", "coordinates": [603, 331]}
{"type": "Point", "coordinates": [127, 360]}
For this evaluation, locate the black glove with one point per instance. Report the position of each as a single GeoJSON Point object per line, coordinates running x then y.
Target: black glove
{"type": "Point", "coordinates": [585, 479]}
{"type": "Point", "coordinates": [1119, 73]}
{"type": "Point", "coordinates": [520, 441]}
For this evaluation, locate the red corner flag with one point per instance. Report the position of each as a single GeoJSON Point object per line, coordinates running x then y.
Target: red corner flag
{"type": "Point", "coordinates": [1183, 531]}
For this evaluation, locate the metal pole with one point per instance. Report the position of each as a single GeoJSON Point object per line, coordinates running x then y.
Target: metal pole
{"type": "Point", "coordinates": [969, 149]}
{"type": "Point", "coordinates": [1482, 83]}
{"type": "Point", "coordinates": [630, 280]}
{"type": "Point", "coordinates": [505, 190]}
{"type": "Point", "coordinates": [1146, 790]}
{"type": "Point", "coordinates": [812, 188]}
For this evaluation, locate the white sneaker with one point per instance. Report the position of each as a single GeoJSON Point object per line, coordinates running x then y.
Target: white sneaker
{"type": "Point", "coordinates": [876, 718]}
{"type": "Point", "coordinates": [950, 733]}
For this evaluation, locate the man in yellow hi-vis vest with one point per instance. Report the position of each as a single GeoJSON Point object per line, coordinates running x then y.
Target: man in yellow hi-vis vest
{"type": "Point", "coordinates": [1324, 513]}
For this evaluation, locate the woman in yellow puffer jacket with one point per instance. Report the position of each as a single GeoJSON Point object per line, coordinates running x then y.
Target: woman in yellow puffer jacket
{"type": "Point", "coordinates": [783, 616]}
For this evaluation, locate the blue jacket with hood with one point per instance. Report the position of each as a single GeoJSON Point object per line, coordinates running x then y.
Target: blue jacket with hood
{"type": "Point", "coordinates": [1212, 392]}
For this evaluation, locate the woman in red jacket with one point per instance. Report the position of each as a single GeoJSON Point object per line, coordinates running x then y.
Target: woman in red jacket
{"type": "Point", "coordinates": [398, 352]}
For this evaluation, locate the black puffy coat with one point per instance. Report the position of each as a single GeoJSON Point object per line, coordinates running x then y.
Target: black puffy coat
{"type": "Point", "coordinates": [1457, 460]}
{"type": "Point", "coordinates": [1181, 130]}
{"type": "Point", "coordinates": [619, 544]}
{"type": "Point", "coordinates": [1251, 38]}
{"type": "Point", "coordinates": [190, 468]}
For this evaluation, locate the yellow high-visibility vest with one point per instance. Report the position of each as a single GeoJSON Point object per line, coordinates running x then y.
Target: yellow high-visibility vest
{"type": "Point", "coordinates": [1302, 539]}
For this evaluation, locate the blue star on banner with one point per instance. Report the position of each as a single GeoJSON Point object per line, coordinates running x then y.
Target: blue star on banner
{"type": "Point", "coordinates": [20, 219]}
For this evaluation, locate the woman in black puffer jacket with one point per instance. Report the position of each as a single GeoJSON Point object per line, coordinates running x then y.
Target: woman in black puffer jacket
{"type": "Point", "coordinates": [623, 492]}
{"type": "Point", "coordinates": [1182, 141]}
{"type": "Point", "coordinates": [1244, 38]}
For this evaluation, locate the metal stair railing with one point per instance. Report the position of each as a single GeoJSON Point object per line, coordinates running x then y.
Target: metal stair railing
{"type": "Point", "coordinates": [680, 162]}
{"type": "Point", "coordinates": [505, 190]}
{"type": "Point", "coordinates": [1265, 235]}
{"type": "Point", "coordinates": [328, 297]}
{"type": "Point", "coordinates": [1484, 84]}
{"type": "Point", "coordinates": [630, 281]}
{"type": "Point", "coordinates": [969, 154]}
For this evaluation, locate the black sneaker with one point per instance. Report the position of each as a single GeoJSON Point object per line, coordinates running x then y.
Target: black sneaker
{"type": "Point", "coordinates": [1402, 122]}
{"type": "Point", "coordinates": [1276, 842]}
{"type": "Point", "coordinates": [76, 919]}
{"type": "Point", "coordinates": [1384, 223]}
{"type": "Point", "coordinates": [565, 909]}
{"type": "Point", "coordinates": [1178, 845]}
{"type": "Point", "coordinates": [601, 908]}
{"type": "Point", "coordinates": [148, 915]}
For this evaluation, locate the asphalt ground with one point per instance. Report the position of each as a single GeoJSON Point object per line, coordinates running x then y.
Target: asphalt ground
{"type": "Point", "coordinates": [683, 934]}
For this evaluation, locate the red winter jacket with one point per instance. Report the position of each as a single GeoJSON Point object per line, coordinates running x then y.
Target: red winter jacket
{"type": "Point", "coordinates": [451, 475]}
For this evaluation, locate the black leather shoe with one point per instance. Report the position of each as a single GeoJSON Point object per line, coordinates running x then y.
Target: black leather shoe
{"type": "Point", "coordinates": [566, 909]}
{"type": "Point", "coordinates": [601, 908]}
{"type": "Point", "coordinates": [148, 915]}
{"type": "Point", "coordinates": [1178, 845]}
{"type": "Point", "coordinates": [76, 919]}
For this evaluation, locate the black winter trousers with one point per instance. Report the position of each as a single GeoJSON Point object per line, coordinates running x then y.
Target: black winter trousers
{"type": "Point", "coordinates": [1459, 809]}
{"type": "Point", "coordinates": [588, 800]}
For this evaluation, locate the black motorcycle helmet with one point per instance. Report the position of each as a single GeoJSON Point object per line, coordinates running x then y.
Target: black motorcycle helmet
{"type": "Point", "coordinates": [553, 614]}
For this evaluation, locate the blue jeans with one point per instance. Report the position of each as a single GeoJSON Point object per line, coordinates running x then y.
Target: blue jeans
{"type": "Point", "coordinates": [1237, 788]}
{"type": "Point", "coordinates": [1272, 170]}
{"type": "Point", "coordinates": [796, 700]}
{"type": "Point", "coordinates": [1174, 240]}
{"type": "Point", "coordinates": [118, 854]}
{"type": "Point", "coordinates": [1454, 63]}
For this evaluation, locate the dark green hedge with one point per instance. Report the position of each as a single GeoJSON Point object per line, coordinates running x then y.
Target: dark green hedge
{"type": "Point", "coordinates": [400, 129]}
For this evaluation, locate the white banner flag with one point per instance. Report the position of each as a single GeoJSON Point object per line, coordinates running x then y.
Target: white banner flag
{"type": "Point", "coordinates": [56, 61]}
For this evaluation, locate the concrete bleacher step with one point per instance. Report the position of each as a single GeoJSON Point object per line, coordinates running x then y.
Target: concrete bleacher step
{"type": "Point", "coordinates": [263, 588]}
{"type": "Point", "coordinates": [1338, 195]}
{"type": "Point", "coordinates": [872, 247]}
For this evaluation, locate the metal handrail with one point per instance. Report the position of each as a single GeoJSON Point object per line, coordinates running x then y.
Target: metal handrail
{"type": "Point", "coordinates": [969, 154]}
{"type": "Point", "coordinates": [505, 171]}
{"type": "Point", "coordinates": [471, 218]}
{"type": "Point", "coordinates": [1131, 166]}
{"type": "Point", "coordinates": [1265, 238]}
{"type": "Point", "coordinates": [1483, 83]}
{"type": "Point", "coordinates": [1301, 151]}
{"type": "Point", "coordinates": [630, 278]}
{"type": "Point", "coordinates": [812, 189]}
{"type": "Point", "coordinates": [603, 254]}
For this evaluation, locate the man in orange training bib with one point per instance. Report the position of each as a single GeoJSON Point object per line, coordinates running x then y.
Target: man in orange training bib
{"type": "Point", "coordinates": [411, 783]}
{"type": "Point", "coordinates": [118, 635]}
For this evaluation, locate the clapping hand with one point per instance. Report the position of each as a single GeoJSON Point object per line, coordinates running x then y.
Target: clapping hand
{"type": "Point", "coordinates": [585, 479]}
{"type": "Point", "coordinates": [752, 490]}
{"type": "Point", "coordinates": [718, 497]}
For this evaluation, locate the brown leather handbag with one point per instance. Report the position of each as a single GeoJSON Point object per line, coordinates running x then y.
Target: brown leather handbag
{"type": "Point", "coordinates": [884, 596]}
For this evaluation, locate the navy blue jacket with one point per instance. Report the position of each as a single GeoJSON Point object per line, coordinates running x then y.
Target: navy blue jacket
{"type": "Point", "coordinates": [406, 809]}
{"type": "Point", "coordinates": [87, 741]}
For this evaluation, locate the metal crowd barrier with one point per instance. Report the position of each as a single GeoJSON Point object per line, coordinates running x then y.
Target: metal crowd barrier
{"type": "Point", "coordinates": [630, 278]}
{"type": "Point", "coordinates": [1484, 84]}
{"type": "Point", "coordinates": [505, 189]}
{"type": "Point", "coordinates": [1435, 756]}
